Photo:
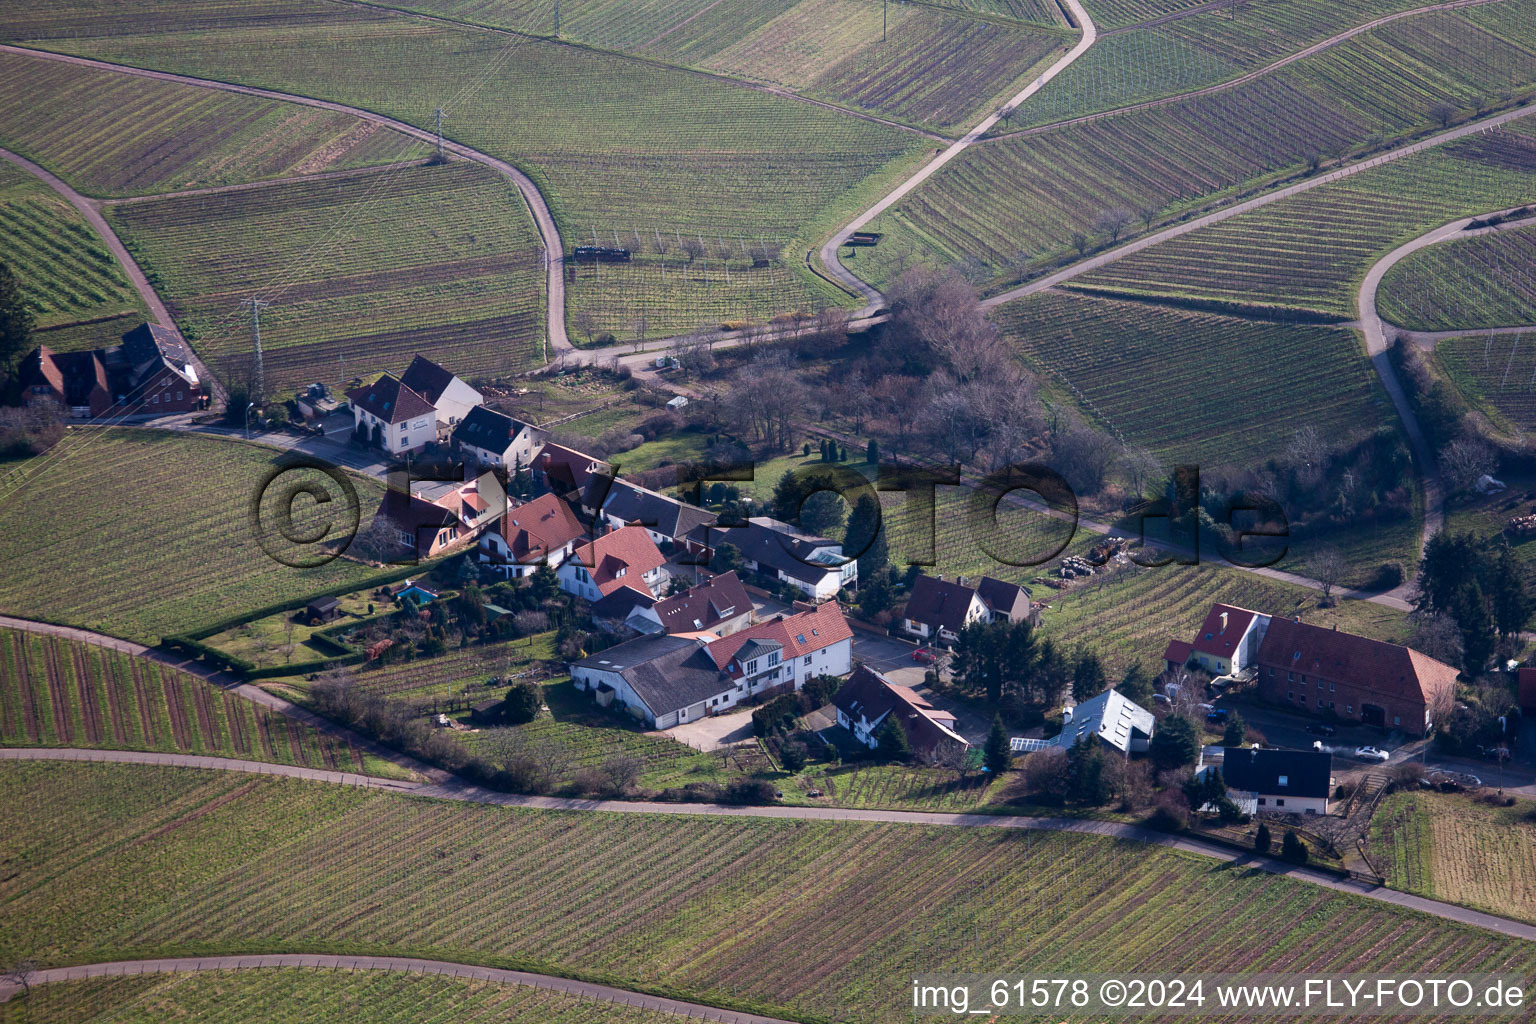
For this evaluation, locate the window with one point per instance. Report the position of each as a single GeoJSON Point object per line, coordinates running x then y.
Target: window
{"type": "Point", "coordinates": [773, 659]}
{"type": "Point", "coordinates": [807, 659]}
{"type": "Point", "coordinates": [752, 666]}
{"type": "Point", "coordinates": [404, 441]}
{"type": "Point", "coordinates": [1261, 801]}
{"type": "Point", "coordinates": [1319, 702]}
{"type": "Point", "coordinates": [1303, 679]}
{"type": "Point", "coordinates": [1397, 720]}
{"type": "Point", "coordinates": [1290, 695]}
{"type": "Point", "coordinates": [1290, 677]}
{"type": "Point", "coordinates": [178, 396]}
{"type": "Point", "coordinates": [1349, 709]}
{"type": "Point", "coordinates": [1285, 780]}
{"type": "Point", "coordinates": [1279, 802]}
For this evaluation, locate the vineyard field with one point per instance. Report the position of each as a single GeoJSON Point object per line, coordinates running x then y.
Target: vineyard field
{"type": "Point", "coordinates": [1448, 847]}
{"type": "Point", "coordinates": [108, 134]}
{"type": "Point", "coordinates": [63, 693]}
{"type": "Point", "coordinates": [442, 261]}
{"type": "Point", "coordinates": [1496, 375]}
{"type": "Point", "coordinates": [1001, 204]}
{"type": "Point", "coordinates": [311, 996]}
{"type": "Point", "coordinates": [139, 534]}
{"type": "Point", "coordinates": [722, 909]}
{"type": "Point", "coordinates": [65, 271]}
{"type": "Point", "coordinates": [1178, 406]}
{"type": "Point", "coordinates": [1310, 251]}
{"type": "Point", "coordinates": [1464, 284]}
{"type": "Point", "coordinates": [615, 144]}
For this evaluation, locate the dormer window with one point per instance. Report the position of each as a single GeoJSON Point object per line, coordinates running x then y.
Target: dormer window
{"type": "Point", "coordinates": [1285, 780]}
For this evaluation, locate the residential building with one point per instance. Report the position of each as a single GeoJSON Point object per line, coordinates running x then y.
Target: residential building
{"type": "Point", "coordinates": [451, 398]}
{"type": "Point", "coordinates": [149, 372]}
{"type": "Point", "coordinates": [666, 519]}
{"type": "Point", "coordinates": [544, 530]}
{"type": "Point", "coordinates": [720, 605]}
{"type": "Point", "coordinates": [625, 558]}
{"type": "Point", "coordinates": [435, 516]}
{"type": "Point", "coordinates": [813, 565]}
{"type": "Point", "coordinates": [665, 679]}
{"type": "Point", "coordinates": [1263, 781]}
{"type": "Point", "coordinates": [937, 609]}
{"type": "Point", "coordinates": [1113, 719]}
{"type": "Point", "coordinates": [1325, 671]}
{"type": "Point", "coordinates": [867, 700]}
{"type": "Point", "coordinates": [494, 439]}
{"type": "Point", "coordinates": [393, 417]}
{"type": "Point", "coordinates": [565, 471]}
{"type": "Point", "coordinates": [1228, 641]}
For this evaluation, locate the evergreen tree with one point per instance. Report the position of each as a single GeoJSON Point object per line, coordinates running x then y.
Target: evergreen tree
{"type": "Point", "coordinates": [891, 741]}
{"type": "Point", "coordinates": [1261, 839]}
{"type": "Point", "coordinates": [865, 537]}
{"type": "Point", "coordinates": [999, 755]}
{"type": "Point", "coordinates": [1086, 784]}
{"type": "Point", "coordinates": [875, 592]}
{"type": "Point", "coordinates": [1511, 600]}
{"type": "Point", "coordinates": [1236, 731]}
{"type": "Point", "coordinates": [15, 323]}
{"type": "Point", "coordinates": [523, 703]}
{"type": "Point", "coordinates": [1175, 743]}
{"type": "Point", "coordinates": [1293, 849]}
{"type": "Point", "coordinates": [872, 453]}
{"type": "Point", "coordinates": [544, 582]}
{"type": "Point", "coordinates": [822, 513]}
{"type": "Point", "coordinates": [1088, 679]}
{"type": "Point", "coordinates": [1136, 685]}
{"type": "Point", "coordinates": [979, 653]}
{"type": "Point", "coordinates": [727, 558]}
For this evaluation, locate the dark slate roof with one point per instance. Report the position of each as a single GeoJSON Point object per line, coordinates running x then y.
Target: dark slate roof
{"type": "Point", "coordinates": [705, 606]}
{"type": "Point", "coordinates": [151, 341]}
{"type": "Point", "coordinates": [391, 400]}
{"type": "Point", "coordinates": [772, 543]}
{"type": "Point", "coordinates": [620, 603]}
{"type": "Point", "coordinates": [323, 604]}
{"type": "Point", "coordinates": [1002, 597]}
{"type": "Point", "coordinates": [488, 429]}
{"type": "Point", "coordinates": [427, 379]}
{"type": "Point", "coordinates": [868, 694]}
{"type": "Point", "coordinates": [667, 672]}
{"type": "Point", "coordinates": [1306, 772]}
{"type": "Point", "coordinates": [939, 603]}
{"type": "Point", "coordinates": [638, 506]}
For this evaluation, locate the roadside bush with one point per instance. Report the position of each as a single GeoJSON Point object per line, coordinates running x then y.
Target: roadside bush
{"type": "Point", "coordinates": [1171, 813]}
{"type": "Point", "coordinates": [593, 782]}
{"type": "Point", "coordinates": [1293, 849]}
{"type": "Point", "coordinates": [1388, 576]}
{"type": "Point", "coordinates": [750, 791]}
{"type": "Point", "coordinates": [522, 703]}
{"type": "Point", "coordinates": [1262, 839]}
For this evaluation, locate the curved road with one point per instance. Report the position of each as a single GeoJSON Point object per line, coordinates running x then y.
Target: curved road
{"type": "Point", "coordinates": [554, 248]}
{"type": "Point", "coordinates": [409, 965]}
{"type": "Point", "coordinates": [1233, 83]}
{"type": "Point", "coordinates": [857, 285]}
{"type": "Point", "coordinates": [458, 790]}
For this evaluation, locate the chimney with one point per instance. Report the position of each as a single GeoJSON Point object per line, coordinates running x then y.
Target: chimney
{"type": "Point", "coordinates": [1335, 627]}
{"type": "Point", "coordinates": [1223, 622]}
{"type": "Point", "coordinates": [1297, 620]}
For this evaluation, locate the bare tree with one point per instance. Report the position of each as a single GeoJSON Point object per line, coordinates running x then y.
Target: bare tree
{"type": "Point", "coordinates": [1463, 462]}
{"type": "Point", "coordinates": [379, 541]}
{"type": "Point", "coordinates": [290, 622]}
{"type": "Point", "coordinates": [1443, 113]}
{"type": "Point", "coordinates": [1438, 636]}
{"type": "Point", "coordinates": [1147, 214]}
{"type": "Point", "coordinates": [693, 249]}
{"type": "Point", "coordinates": [623, 770]}
{"type": "Point", "coordinates": [1328, 565]}
{"type": "Point", "coordinates": [1113, 221]}
{"type": "Point", "coordinates": [1308, 452]}
{"type": "Point", "coordinates": [694, 353]}
{"type": "Point", "coordinates": [1080, 243]}
{"type": "Point", "coordinates": [640, 329]}
{"type": "Point", "coordinates": [586, 323]}
{"type": "Point", "coordinates": [19, 973]}
{"type": "Point", "coordinates": [1141, 468]}
{"type": "Point", "coordinates": [1083, 455]}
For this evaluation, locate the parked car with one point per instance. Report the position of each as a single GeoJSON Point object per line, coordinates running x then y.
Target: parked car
{"type": "Point", "coordinates": [924, 655]}
{"type": "Point", "coordinates": [1371, 754]}
{"type": "Point", "coordinates": [1163, 699]}
{"type": "Point", "coordinates": [1319, 729]}
{"type": "Point", "coordinates": [1216, 716]}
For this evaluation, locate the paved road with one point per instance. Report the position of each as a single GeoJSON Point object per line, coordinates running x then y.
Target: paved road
{"type": "Point", "coordinates": [550, 235]}
{"type": "Point", "coordinates": [250, 692]}
{"type": "Point", "coordinates": [459, 790]}
{"type": "Point", "coordinates": [228, 764]}
{"type": "Point", "coordinates": [1233, 83]}
{"type": "Point", "coordinates": [408, 965]}
{"type": "Point", "coordinates": [872, 297]}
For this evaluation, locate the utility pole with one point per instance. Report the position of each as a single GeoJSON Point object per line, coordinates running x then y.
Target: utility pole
{"type": "Point", "coordinates": [557, 19]}
{"type": "Point", "coordinates": [884, 8]}
{"type": "Point", "coordinates": [257, 370]}
{"type": "Point", "coordinates": [439, 114]}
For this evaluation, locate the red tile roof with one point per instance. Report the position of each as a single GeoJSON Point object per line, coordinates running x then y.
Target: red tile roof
{"type": "Point", "coordinates": [390, 400]}
{"type": "Point", "coordinates": [1221, 640]}
{"type": "Point", "coordinates": [1178, 651]}
{"type": "Point", "coordinates": [543, 525]}
{"type": "Point", "coordinates": [1391, 670]}
{"type": "Point", "coordinates": [799, 634]}
{"type": "Point", "coordinates": [620, 559]}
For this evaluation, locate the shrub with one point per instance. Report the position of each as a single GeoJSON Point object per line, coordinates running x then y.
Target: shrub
{"type": "Point", "coordinates": [1172, 812]}
{"type": "Point", "coordinates": [1261, 839]}
{"type": "Point", "coordinates": [1293, 849]}
{"type": "Point", "coordinates": [793, 755]}
{"type": "Point", "coordinates": [593, 782]}
{"type": "Point", "coordinates": [750, 791]}
{"type": "Point", "coordinates": [1388, 576]}
{"type": "Point", "coordinates": [522, 703]}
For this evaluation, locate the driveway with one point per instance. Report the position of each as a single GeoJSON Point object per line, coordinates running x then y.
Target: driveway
{"type": "Point", "coordinates": [714, 733]}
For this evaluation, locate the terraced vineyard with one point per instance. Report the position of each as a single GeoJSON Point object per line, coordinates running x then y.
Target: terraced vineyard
{"type": "Point", "coordinates": [109, 134]}
{"type": "Point", "coordinates": [61, 693]}
{"type": "Point", "coordinates": [361, 273]}
{"type": "Point", "coordinates": [1465, 284]}
{"type": "Point", "coordinates": [141, 533]}
{"type": "Point", "coordinates": [310, 997]}
{"type": "Point", "coordinates": [1450, 848]}
{"type": "Point", "coordinates": [1496, 374]}
{"type": "Point", "coordinates": [1098, 345]}
{"type": "Point", "coordinates": [1309, 251]}
{"type": "Point", "coordinates": [1001, 205]}
{"type": "Point", "coordinates": [66, 274]}
{"type": "Point", "coordinates": [764, 898]}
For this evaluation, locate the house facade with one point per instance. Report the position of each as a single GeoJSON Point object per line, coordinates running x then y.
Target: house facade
{"type": "Point", "coordinates": [1228, 641]}
{"type": "Point", "coordinates": [450, 397]}
{"type": "Point", "coordinates": [394, 418]}
{"type": "Point", "coordinates": [815, 566]}
{"type": "Point", "coordinates": [782, 653]}
{"type": "Point", "coordinates": [150, 372]}
{"type": "Point", "coordinates": [867, 700]}
{"type": "Point", "coordinates": [625, 558]}
{"type": "Point", "coordinates": [1330, 673]}
{"type": "Point", "coordinates": [1267, 781]}
{"type": "Point", "coordinates": [544, 530]}
{"type": "Point", "coordinates": [667, 520]}
{"type": "Point", "coordinates": [720, 606]}
{"type": "Point", "coordinates": [1113, 719]}
{"type": "Point", "coordinates": [494, 439]}
{"type": "Point", "coordinates": [434, 517]}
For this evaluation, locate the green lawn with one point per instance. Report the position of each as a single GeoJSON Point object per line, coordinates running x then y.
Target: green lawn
{"type": "Point", "coordinates": [727, 910]}
{"type": "Point", "coordinates": [65, 271]}
{"type": "Point", "coordinates": [310, 997]}
{"type": "Point", "coordinates": [143, 533]}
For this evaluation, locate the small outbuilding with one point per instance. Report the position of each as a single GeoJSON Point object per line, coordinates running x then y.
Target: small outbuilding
{"type": "Point", "coordinates": [325, 609]}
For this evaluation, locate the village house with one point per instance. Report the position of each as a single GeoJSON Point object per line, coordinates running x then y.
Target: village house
{"type": "Point", "coordinates": [1327, 672]}
{"type": "Point", "coordinates": [866, 700]}
{"type": "Point", "coordinates": [666, 519]}
{"type": "Point", "coordinates": [667, 679]}
{"type": "Point", "coordinates": [1111, 718]}
{"type": "Point", "coordinates": [406, 413]}
{"type": "Point", "coordinates": [813, 565]}
{"type": "Point", "coordinates": [1227, 644]}
{"type": "Point", "coordinates": [149, 372]}
{"type": "Point", "coordinates": [542, 531]}
{"type": "Point", "coordinates": [494, 439]}
{"type": "Point", "coordinates": [1268, 781]}
{"type": "Point", "coordinates": [435, 516]}
{"type": "Point", "coordinates": [451, 398]}
{"type": "Point", "coordinates": [937, 609]}
{"type": "Point", "coordinates": [626, 559]}
{"type": "Point", "coordinates": [565, 471]}
{"type": "Point", "coordinates": [721, 606]}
